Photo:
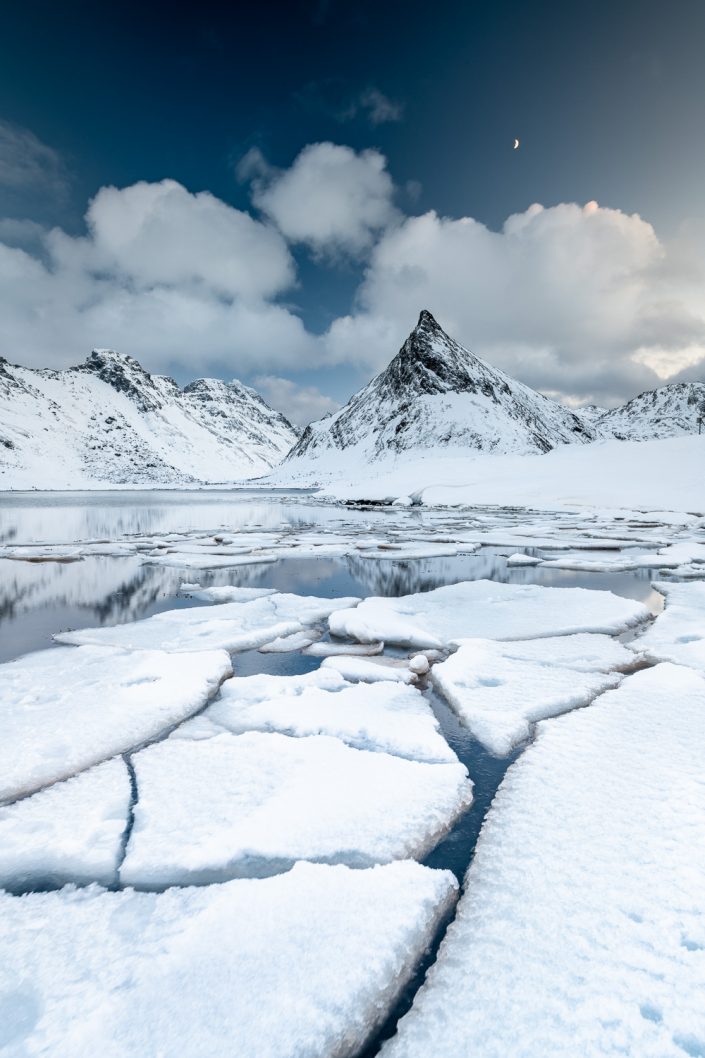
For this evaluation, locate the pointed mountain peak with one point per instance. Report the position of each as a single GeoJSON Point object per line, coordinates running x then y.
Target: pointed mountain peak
{"type": "Point", "coordinates": [427, 322]}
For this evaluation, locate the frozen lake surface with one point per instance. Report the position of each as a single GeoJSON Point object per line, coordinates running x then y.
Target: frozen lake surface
{"type": "Point", "coordinates": [74, 563]}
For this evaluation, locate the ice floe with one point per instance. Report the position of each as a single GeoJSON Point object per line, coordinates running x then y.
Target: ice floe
{"type": "Point", "coordinates": [678, 634]}
{"type": "Point", "coordinates": [338, 648]}
{"type": "Point", "coordinates": [69, 832]}
{"type": "Point", "coordinates": [370, 670]}
{"type": "Point", "coordinates": [304, 965]}
{"type": "Point", "coordinates": [64, 710]}
{"type": "Point", "coordinates": [486, 609]}
{"type": "Point", "coordinates": [388, 717]}
{"type": "Point", "coordinates": [582, 930]}
{"type": "Point", "coordinates": [252, 804]}
{"type": "Point", "coordinates": [499, 691]}
{"type": "Point", "coordinates": [231, 626]}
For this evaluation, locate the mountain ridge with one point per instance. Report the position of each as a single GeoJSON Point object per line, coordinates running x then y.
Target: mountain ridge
{"type": "Point", "coordinates": [108, 422]}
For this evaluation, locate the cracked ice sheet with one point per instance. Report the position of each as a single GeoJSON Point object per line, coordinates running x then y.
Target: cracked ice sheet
{"type": "Point", "coordinates": [486, 609]}
{"type": "Point", "coordinates": [677, 634]}
{"type": "Point", "coordinates": [62, 711]}
{"type": "Point", "coordinates": [499, 690]}
{"type": "Point", "coordinates": [384, 717]}
{"type": "Point", "coordinates": [250, 805]}
{"type": "Point", "coordinates": [69, 832]}
{"type": "Point", "coordinates": [241, 625]}
{"type": "Point", "coordinates": [582, 928]}
{"type": "Point", "coordinates": [304, 965]}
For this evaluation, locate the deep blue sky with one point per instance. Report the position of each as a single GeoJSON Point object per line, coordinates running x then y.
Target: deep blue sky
{"type": "Point", "coordinates": [607, 99]}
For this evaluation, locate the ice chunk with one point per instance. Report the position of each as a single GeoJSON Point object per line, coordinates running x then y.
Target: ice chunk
{"type": "Point", "coordinates": [252, 804]}
{"type": "Point", "coordinates": [230, 626]}
{"type": "Point", "coordinates": [64, 710]}
{"type": "Point", "coordinates": [201, 560]}
{"type": "Point", "coordinates": [521, 559]}
{"type": "Point", "coordinates": [419, 664]}
{"type": "Point", "coordinates": [227, 593]}
{"type": "Point", "coordinates": [582, 931]}
{"type": "Point", "coordinates": [304, 965]}
{"type": "Point", "coordinates": [69, 832]}
{"type": "Point", "coordinates": [499, 695]}
{"type": "Point", "coordinates": [296, 641]}
{"type": "Point", "coordinates": [385, 716]}
{"type": "Point", "coordinates": [486, 609]}
{"type": "Point", "coordinates": [678, 634]}
{"type": "Point", "coordinates": [584, 651]}
{"type": "Point", "coordinates": [338, 648]}
{"type": "Point", "coordinates": [370, 670]}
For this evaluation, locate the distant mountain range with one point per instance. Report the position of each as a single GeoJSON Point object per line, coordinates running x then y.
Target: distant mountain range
{"type": "Point", "coordinates": [666, 412]}
{"type": "Point", "coordinates": [108, 422]}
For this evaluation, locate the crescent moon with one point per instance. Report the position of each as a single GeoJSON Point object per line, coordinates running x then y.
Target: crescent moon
{"type": "Point", "coordinates": [516, 144]}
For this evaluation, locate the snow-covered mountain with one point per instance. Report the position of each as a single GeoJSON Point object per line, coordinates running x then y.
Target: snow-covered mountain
{"type": "Point", "coordinates": [108, 422]}
{"type": "Point", "coordinates": [436, 396]}
{"type": "Point", "coordinates": [670, 411]}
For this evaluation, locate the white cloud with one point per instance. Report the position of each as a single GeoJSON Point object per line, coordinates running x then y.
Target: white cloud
{"type": "Point", "coordinates": [27, 164]}
{"type": "Point", "coordinates": [332, 198]}
{"type": "Point", "coordinates": [582, 301]}
{"type": "Point", "coordinates": [166, 275]}
{"type": "Point", "coordinates": [300, 404]}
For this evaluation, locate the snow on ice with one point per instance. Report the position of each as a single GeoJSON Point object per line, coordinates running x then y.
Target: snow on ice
{"type": "Point", "coordinates": [240, 625]}
{"type": "Point", "coordinates": [69, 832]}
{"type": "Point", "coordinates": [486, 609]}
{"type": "Point", "coordinates": [582, 928]}
{"type": "Point", "coordinates": [238, 805]}
{"type": "Point", "coordinates": [64, 710]}
{"type": "Point", "coordinates": [385, 716]}
{"type": "Point", "coordinates": [499, 692]}
{"type": "Point", "coordinates": [678, 634]}
{"type": "Point", "coordinates": [303, 965]}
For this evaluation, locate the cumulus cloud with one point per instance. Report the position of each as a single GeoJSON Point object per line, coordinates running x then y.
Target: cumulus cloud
{"type": "Point", "coordinates": [28, 164]}
{"type": "Point", "coordinates": [300, 404]}
{"type": "Point", "coordinates": [169, 276]}
{"type": "Point", "coordinates": [332, 198]}
{"type": "Point", "coordinates": [585, 302]}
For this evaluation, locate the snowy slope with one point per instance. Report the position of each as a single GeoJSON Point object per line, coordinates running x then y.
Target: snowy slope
{"type": "Point", "coordinates": [435, 395]}
{"type": "Point", "coordinates": [109, 422]}
{"type": "Point", "coordinates": [666, 412]}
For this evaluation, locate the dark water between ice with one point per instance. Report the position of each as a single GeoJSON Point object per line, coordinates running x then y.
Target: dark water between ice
{"type": "Point", "coordinates": [37, 600]}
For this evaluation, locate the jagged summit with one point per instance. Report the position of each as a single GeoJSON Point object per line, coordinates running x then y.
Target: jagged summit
{"type": "Point", "coordinates": [108, 421]}
{"type": "Point", "coordinates": [436, 395]}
